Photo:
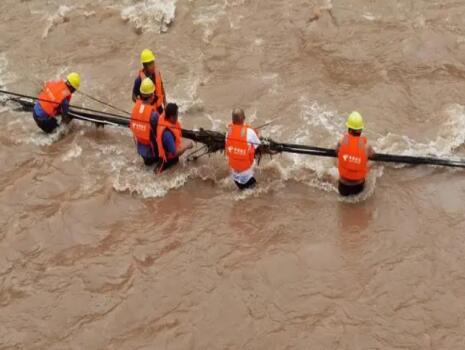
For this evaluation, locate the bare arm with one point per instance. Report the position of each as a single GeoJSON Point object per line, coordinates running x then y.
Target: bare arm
{"type": "Point", "coordinates": [185, 146]}
{"type": "Point", "coordinates": [370, 151]}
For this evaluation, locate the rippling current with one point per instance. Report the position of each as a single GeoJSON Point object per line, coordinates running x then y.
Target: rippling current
{"type": "Point", "coordinates": [98, 253]}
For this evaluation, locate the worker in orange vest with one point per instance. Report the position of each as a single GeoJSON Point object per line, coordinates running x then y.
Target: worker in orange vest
{"type": "Point", "coordinates": [144, 121]}
{"type": "Point", "coordinates": [169, 138]}
{"type": "Point", "coordinates": [54, 100]}
{"type": "Point", "coordinates": [149, 70]}
{"type": "Point", "coordinates": [353, 153]}
{"type": "Point", "coordinates": [240, 146]}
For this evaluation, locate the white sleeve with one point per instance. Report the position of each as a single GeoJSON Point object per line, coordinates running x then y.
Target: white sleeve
{"type": "Point", "coordinates": [252, 137]}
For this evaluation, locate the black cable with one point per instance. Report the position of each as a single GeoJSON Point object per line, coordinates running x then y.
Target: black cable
{"type": "Point", "coordinates": [391, 158]}
{"type": "Point", "coordinates": [215, 140]}
{"type": "Point", "coordinates": [71, 106]}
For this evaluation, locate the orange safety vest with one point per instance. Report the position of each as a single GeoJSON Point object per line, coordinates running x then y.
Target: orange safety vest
{"type": "Point", "coordinates": [164, 124]}
{"type": "Point", "coordinates": [353, 158]}
{"type": "Point", "coordinates": [52, 96]}
{"type": "Point", "coordinates": [140, 122]}
{"type": "Point", "coordinates": [159, 89]}
{"type": "Point", "coordinates": [240, 153]}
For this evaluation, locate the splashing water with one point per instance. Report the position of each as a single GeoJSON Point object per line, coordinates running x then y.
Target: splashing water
{"type": "Point", "coordinates": [59, 17]}
{"type": "Point", "coordinates": [150, 15]}
{"type": "Point", "coordinates": [451, 136]}
{"type": "Point", "coordinates": [73, 153]}
{"type": "Point", "coordinates": [5, 78]}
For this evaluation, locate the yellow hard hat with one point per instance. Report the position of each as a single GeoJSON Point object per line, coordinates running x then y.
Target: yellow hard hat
{"type": "Point", "coordinates": [147, 56]}
{"type": "Point", "coordinates": [74, 79]}
{"type": "Point", "coordinates": [355, 121]}
{"type": "Point", "coordinates": [147, 87]}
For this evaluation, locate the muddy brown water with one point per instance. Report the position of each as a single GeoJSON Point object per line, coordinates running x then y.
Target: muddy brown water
{"type": "Point", "coordinates": [98, 253]}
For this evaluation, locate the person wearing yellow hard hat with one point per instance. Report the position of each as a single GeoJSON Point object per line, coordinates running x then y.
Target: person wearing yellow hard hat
{"type": "Point", "coordinates": [144, 121]}
{"type": "Point", "coordinates": [54, 100]}
{"type": "Point", "coordinates": [149, 70]}
{"type": "Point", "coordinates": [353, 153]}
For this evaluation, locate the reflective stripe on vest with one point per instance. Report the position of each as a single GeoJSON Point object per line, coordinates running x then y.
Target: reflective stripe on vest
{"type": "Point", "coordinates": [52, 96]}
{"type": "Point", "coordinates": [140, 122]}
{"type": "Point", "coordinates": [240, 153]}
{"type": "Point", "coordinates": [352, 158]}
{"type": "Point", "coordinates": [159, 90]}
{"type": "Point", "coordinates": [164, 124]}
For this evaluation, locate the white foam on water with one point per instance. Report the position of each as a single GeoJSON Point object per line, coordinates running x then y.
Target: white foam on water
{"type": "Point", "coordinates": [328, 5]}
{"type": "Point", "coordinates": [60, 16]}
{"type": "Point", "coordinates": [233, 3]}
{"type": "Point", "coordinates": [88, 14]}
{"type": "Point", "coordinates": [265, 185]}
{"type": "Point", "coordinates": [320, 127]}
{"type": "Point", "coordinates": [143, 181]}
{"type": "Point", "coordinates": [451, 136]}
{"type": "Point", "coordinates": [150, 15]}
{"type": "Point", "coordinates": [259, 190]}
{"type": "Point", "coordinates": [3, 67]}
{"type": "Point", "coordinates": [185, 95]}
{"type": "Point", "coordinates": [324, 128]}
{"type": "Point", "coordinates": [39, 138]}
{"type": "Point", "coordinates": [208, 17]}
{"type": "Point", "coordinates": [318, 120]}
{"type": "Point", "coordinates": [369, 16]}
{"type": "Point", "coordinates": [110, 150]}
{"type": "Point", "coordinates": [26, 131]}
{"type": "Point", "coordinates": [129, 174]}
{"type": "Point", "coordinates": [73, 153]}
{"type": "Point", "coordinates": [147, 184]}
{"type": "Point", "coordinates": [321, 119]}
{"type": "Point", "coordinates": [5, 77]}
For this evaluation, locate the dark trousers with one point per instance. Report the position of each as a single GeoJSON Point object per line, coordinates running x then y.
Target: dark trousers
{"type": "Point", "coordinates": [150, 161]}
{"type": "Point", "coordinates": [350, 190]}
{"type": "Point", "coordinates": [47, 125]}
{"type": "Point", "coordinates": [250, 184]}
{"type": "Point", "coordinates": [162, 165]}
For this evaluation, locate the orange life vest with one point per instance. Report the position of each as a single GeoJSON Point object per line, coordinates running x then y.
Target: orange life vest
{"type": "Point", "coordinates": [140, 122]}
{"type": "Point", "coordinates": [164, 124]}
{"type": "Point", "coordinates": [353, 158]}
{"type": "Point", "coordinates": [240, 153]}
{"type": "Point", "coordinates": [160, 100]}
{"type": "Point", "coordinates": [52, 96]}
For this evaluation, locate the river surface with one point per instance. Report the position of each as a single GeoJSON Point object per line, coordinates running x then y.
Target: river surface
{"type": "Point", "coordinates": [96, 252]}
